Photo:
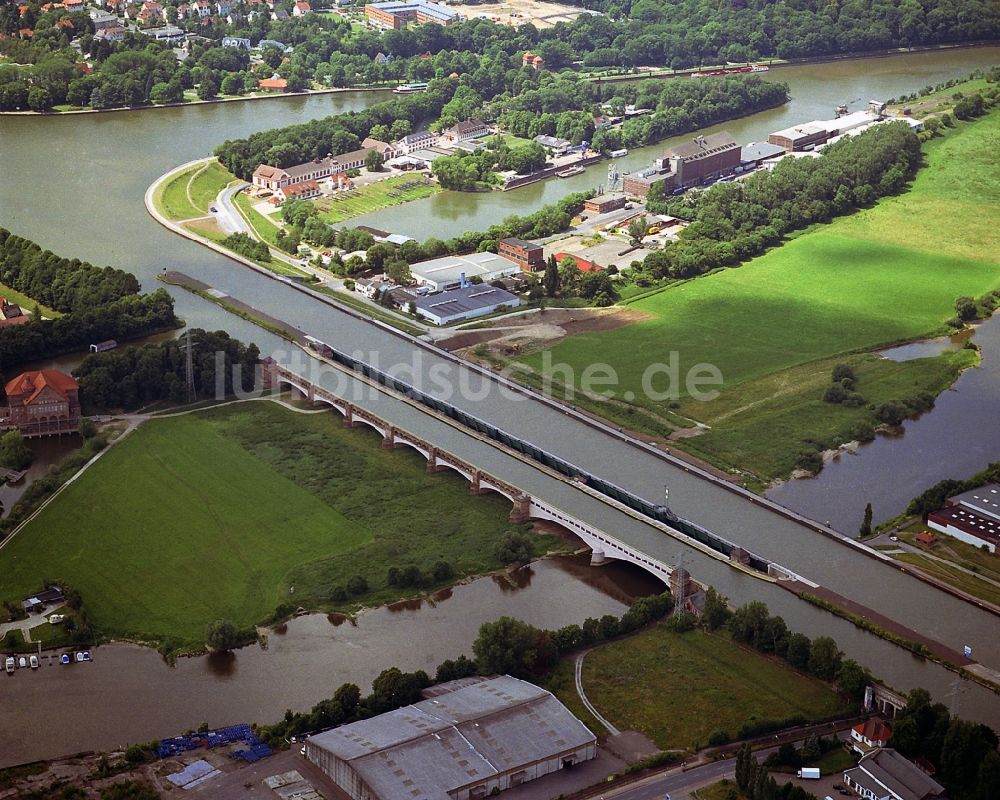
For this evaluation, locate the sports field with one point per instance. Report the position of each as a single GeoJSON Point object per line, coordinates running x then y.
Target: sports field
{"type": "Point", "coordinates": [680, 688]}
{"type": "Point", "coordinates": [883, 275]}
{"type": "Point", "coordinates": [364, 200]}
{"type": "Point", "coordinates": [227, 513]}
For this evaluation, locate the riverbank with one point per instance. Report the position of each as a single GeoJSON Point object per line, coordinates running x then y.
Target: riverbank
{"type": "Point", "coordinates": [191, 103]}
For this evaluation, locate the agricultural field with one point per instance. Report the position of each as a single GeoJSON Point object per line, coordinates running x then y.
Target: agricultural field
{"type": "Point", "coordinates": [679, 688]}
{"type": "Point", "coordinates": [883, 275]}
{"type": "Point", "coordinates": [390, 192]}
{"type": "Point", "coordinates": [219, 514]}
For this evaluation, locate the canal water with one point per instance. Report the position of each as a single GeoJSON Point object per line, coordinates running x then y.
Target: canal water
{"type": "Point", "coordinates": [143, 698]}
{"type": "Point", "coordinates": [91, 207]}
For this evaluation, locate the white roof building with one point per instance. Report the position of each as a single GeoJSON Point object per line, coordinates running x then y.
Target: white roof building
{"type": "Point", "coordinates": [470, 739]}
{"type": "Point", "coordinates": [448, 271]}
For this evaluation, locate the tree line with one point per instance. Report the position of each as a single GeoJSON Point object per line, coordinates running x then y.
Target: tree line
{"type": "Point", "coordinates": [132, 377]}
{"type": "Point", "coordinates": [99, 303]}
{"type": "Point", "coordinates": [732, 222]}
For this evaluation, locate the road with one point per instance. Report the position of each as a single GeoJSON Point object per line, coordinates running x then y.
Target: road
{"type": "Point", "coordinates": [226, 214]}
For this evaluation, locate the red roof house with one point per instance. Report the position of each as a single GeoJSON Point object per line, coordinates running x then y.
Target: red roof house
{"type": "Point", "coordinates": [273, 84]}
{"type": "Point", "coordinates": [869, 735]}
{"type": "Point", "coordinates": [42, 402]}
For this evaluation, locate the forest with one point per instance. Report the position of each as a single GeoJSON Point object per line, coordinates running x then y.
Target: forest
{"type": "Point", "coordinates": [136, 376]}
{"type": "Point", "coordinates": [329, 51]}
{"type": "Point", "coordinates": [98, 303]}
{"type": "Point", "coordinates": [732, 222]}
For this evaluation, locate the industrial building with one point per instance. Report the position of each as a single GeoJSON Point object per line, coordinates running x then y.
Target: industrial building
{"type": "Point", "coordinates": [972, 517]}
{"type": "Point", "coordinates": [604, 203]}
{"type": "Point", "coordinates": [809, 135]}
{"type": "Point", "coordinates": [472, 738]}
{"type": "Point", "coordinates": [462, 303]}
{"type": "Point", "coordinates": [884, 774]}
{"type": "Point", "coordinates": [448, 272]}
{"type": "Point", "coordinates": [527, 255]}
{"type": "Point", "coordinates": [702, 159]}
{"type": "Point", "coordinates": [397, 15]}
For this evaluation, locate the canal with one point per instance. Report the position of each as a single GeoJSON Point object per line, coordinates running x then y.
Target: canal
{"type": "Point", "coordinates": [90, 206]}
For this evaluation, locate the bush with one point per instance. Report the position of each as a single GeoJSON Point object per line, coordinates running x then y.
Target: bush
{"type": "Point", "coordinates": [442, 571]}
{"type": "Point", "coordinates": [357, 585]}
{"type": "Point", "coordinates": [515, 547]}
{"type": "Point", "coordinates": [842, 372]}
{"type": "Point", "coordinates": [338, 594]}
{"type": "Point", "coordinates": [892, 412]}
{"type": "Point", "coordinates": [718, 738]}
{"type": "Point", "coordinates": [835, 393]}
{"type": "Point", "coordinates": [681, 622]}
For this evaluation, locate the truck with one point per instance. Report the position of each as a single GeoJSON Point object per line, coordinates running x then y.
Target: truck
{"type": "Point", "coordinates": [809, 773]}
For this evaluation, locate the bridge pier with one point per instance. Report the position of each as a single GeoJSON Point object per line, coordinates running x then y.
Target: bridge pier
{"type": "Point", "coordinates": [597, 558]}
{"type": "Point", "coordinates": [389, 440]}
{"type": "Point", "coordinates": [521, 510]}
{"type": "Point", "coordinates": [432, 463]}
{"type": "Point", "coordinates": [474, 487]}
{"type": "Point", "coordinates": [349, 416]}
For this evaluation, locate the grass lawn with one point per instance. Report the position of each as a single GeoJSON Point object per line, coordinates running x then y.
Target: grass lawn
{"type": "Point", "coordinates": [206, 185]}
{"type": "Point", "coordinates": [228, 512]}
{"type": "Point", "coordinates": [265, 228]}
{"type": "Point", "coordinates": [390, 192]}
{"type": "Point", "coordinates": [27, 303]}
{"type": "Point", "coordinates": [679, 688]}
{"type": "Point", "coordinates": [721, 790]}
{"type": "Point", "coordinates": [883, 275]}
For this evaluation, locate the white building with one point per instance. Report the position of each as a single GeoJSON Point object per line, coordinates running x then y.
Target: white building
{"type": "Point", "coordinates": [448, 272]}
{"type": "Point", "coordinates": [972, 517]}
{"type": "Point", "coordinates": [885, 775]}
{"type": "Point", "coordinates": [415, 141]}
{"type": "Point", "coordinates": [464, 302]}
{"type": "Point", "coordinates": [465, 131]}
{"type": "Point", "coordinates": [468, 740]}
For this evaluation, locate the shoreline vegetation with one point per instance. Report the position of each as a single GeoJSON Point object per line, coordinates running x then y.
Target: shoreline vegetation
{"type": "Point", "coordinates": [333, 481]}
{"type": "Point", "coordinates": [773, 63]}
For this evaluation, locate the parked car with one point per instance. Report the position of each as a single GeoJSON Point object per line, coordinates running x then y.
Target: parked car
{"type": "Point", "coordinates": [9, 665]}
{"type": "Point", "coordinates": [893, 538]}
{"type": "Point", "coordinates": [65, 659]}
{"type": "Point", "coordinates": [34, 662]}
{"type": "Point", "coordinates": [22, 663]}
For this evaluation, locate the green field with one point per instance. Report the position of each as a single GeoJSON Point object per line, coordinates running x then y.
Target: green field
{"type": "Point", "coordinates": [190, 193]}
{"type": "Point", "coordinates": [883, 275]}
{"type": "Point", "coordinates": [263, 227]}
{"type": "Point", "coordinates": [364, 200]}
{"type": "Point", "coordinates": [229, 512]}
{"type": "Point", "coordinates": [680, 688]}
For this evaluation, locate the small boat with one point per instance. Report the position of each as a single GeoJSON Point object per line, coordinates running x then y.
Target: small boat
{"type": "Point", "coordinates": [569, 172]}
{"type": "Point", "coordinates": [618, 153]}
{"type": "Point", "coordinates": [22, 663]}
{"type": "Point", "coordinates": [9, 665]}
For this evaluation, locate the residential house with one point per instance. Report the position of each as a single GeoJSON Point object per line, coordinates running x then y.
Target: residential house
{"type": "Point", "coordinates": [73, 5]}
{"type": "Point", "coordinates": [529, 59]}
{"type": "Point", "coordinates": [103, 19]}
{"type": "Point", "coordinates": [183, 10]}
{"type": "Point", "coordinates": [603, 123]}
{"type": "Point", "coordinates": [273, 84]}
{"type": "Point", "coordinates": [868, 735]}
{"type": "Point", "coordinates": [465, 130]}
{"type": "Point", "coordinates": [415, 141]}
{"type": "Point", "coordinates": [239, 42]}
{"type": "Point", "coordinates": [387, 150]}
{"type": "Point", "coordinates": [11, 314]}
{"type": "Point", "coordinates": [115, 33]}
{"type": "Point", "coordinates": [201, 8]}
{"type": "Point", "coordinates": [381, 58]}
{"type": "Point", "coordinates": [553, 143]}
{"type": "Point", "coordinates": [223, 8]}
{"type": "Point", "coordinates": [883, 774]}
{"type": "Point", "coordinates": [279, 15]}
{"type": "Point", "coordinates": [301, 9]}
{"type": "Point", "coordinates": [303, 190]}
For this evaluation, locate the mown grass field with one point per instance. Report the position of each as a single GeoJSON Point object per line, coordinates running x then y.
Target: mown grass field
{"type": "Point", "coordinates": [680, 688]}
{"type": "Point", "coordinates": [201, 182]}
{"type": "Point", "coordinates": [364, 200]}
{"type": "Point", "coordinates": [228, 512]}
{"type": "Point", "coordinates": [883, 275]}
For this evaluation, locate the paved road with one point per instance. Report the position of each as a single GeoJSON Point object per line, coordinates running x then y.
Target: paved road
{"type": "Point", "coordinates": [578, 671]}
{"type": "Point", "coordinates": [226, 215]}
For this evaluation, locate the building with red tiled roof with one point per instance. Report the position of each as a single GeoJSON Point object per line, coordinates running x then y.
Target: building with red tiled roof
{"type": "Point", "coordinates": [870, 734]}
{"type": "Point", "coordinates": [42, 402]}
{"type": "Point", "coordinates": [273, 84]}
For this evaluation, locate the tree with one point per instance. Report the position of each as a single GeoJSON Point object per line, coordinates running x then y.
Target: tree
{"type": "Point", "coordinates": [798, 650]}
{"type": "Point", "coordinates": [551, 278]}
{"type": "Point", "coordinates": [14, 453]}
{"type": "Point", "coordinates": [824, 658]}
{"type": "Point", "coordinates": [87, 428]}
{"type": "Point", "coordinates": [748, 620]}
{"type": "Point", "coordinates": [510, 646]}
{"type": "Point", "coordinates": [398, 271]}
{"type": "Point", "coordinates": [357, 585]}
{"type": "Point", "coordinates": [637, 229]}
{"type": "Point", "coordinates": [515, 547]}
{"type": "Point", "coordinates": [222, 635]}
{"type": "Point", "coordinates": [374, 161]}
{"type": "Point", "coordinates": [208, 88]}
{"type": "Point", "coordinates": [569, 274]}
{"type": "Point", "coordinates": [39, 99]}
{"type": "Point", "coordinates": [853, 679]}
{"type": "Point", "coordinates": [866, 523]}
{"type": "Point", "coordinates": [394, 688]}
{"type": "Point", "coordinates": [716, 612]}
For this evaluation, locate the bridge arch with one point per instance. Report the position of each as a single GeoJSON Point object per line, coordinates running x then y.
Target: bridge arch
{"type": "Point", "coordinates": [399, 441]}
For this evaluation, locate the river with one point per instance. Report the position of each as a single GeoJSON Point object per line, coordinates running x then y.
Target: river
{"type": "Point", "coordinates": [87, 203]}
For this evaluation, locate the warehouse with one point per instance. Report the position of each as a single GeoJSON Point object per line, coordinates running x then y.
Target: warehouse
{"type": "Point", "coordinates": [448, 272]}
{"type": "Point", "coordinates": [470, 739]}
{"type": "Point", "coordinates": [465, 302]}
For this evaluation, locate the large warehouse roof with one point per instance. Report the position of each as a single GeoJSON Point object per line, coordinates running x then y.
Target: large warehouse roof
{"type": "Point", "coordinates": [456, 739]}
{"type": "Point", "coordinates": [449, 269]}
